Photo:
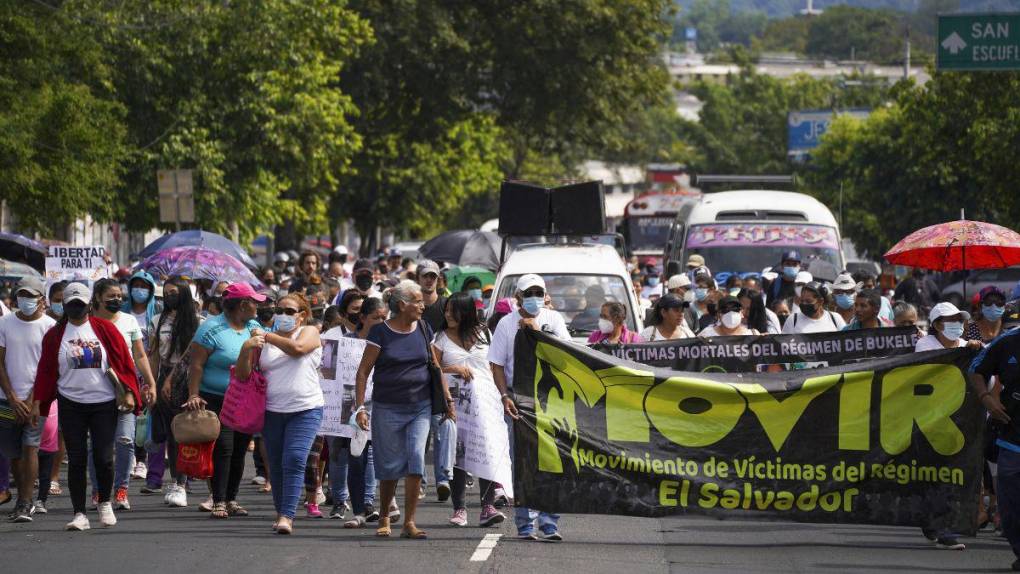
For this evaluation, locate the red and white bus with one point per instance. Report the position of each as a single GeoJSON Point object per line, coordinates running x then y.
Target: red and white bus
{"type": "Point", "coordinates": [648, 217]}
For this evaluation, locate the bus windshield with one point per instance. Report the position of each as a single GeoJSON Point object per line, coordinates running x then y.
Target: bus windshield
{"type": "Point", "coordinates": [648, 233]}
{"type": "Point", "coordinates": [750, 247]}
{"type": "Point", "coordinates": [578, 297]}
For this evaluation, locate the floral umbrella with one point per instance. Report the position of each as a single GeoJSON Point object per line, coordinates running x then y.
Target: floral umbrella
{"type": "Point", "coordinates": [198, 263]}
{"type": "Point", "coordinates": [958, 245]}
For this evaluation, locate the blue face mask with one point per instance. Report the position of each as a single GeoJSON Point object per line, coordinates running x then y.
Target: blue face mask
{"type": "Point", "coordinates": [476, 294]}
{"type": "Point", "coordinates": [700, 293]}
{"type": "Point", "coordinates": [284, 323]}
{"type": "Point", "coordinates": [653, 281]}
{"type": "Point", "coordinates": [952, 331]}
{"type": "Point", "coordinates": [844, 301]}
{"type": "Point", "coordinates": [991, 312]}
{"type": "Point", "coordinates": [140, 294]}
{"type": "Point", "coordinates": [790, 272]}
{"type": "Point", "coordinates": [28, 305]}
{"type": "Point", "coordinates": [57, 308]}
{"type": "Point", "coordinates": [532, 305]}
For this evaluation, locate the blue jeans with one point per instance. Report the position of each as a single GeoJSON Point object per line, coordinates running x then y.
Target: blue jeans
{"type": "Point", "coordinates": [444, 448]}
{"type": "Point", "coordinates": [1007, 487]}
{"type": "Point", "coordinates": [289, 438]}
{"type": "Point", "coordinates": [351, 478]}
{"type": "Point", "coordinates": [525, 518]}
{"type": "Point", "coordinates": [124, 453]}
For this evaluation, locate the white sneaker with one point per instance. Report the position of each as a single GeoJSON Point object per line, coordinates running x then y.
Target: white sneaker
{"type": "Point", "coordinates": [177, 497]}
{"type": "Point", "coordinates": [320, 496]}
{"type": "Point", "coordinates": [258, 480]}
{"type": "Point", "coordinates": [206, 506]}
{"type": "Point", "coordinates": [80, 522]}
{"type": "Point", "coordinates": [140, 470]}
{"type": "Point", "coordinates": [106, 516]}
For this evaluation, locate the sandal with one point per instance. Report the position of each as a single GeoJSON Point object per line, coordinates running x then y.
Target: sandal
{"type": "Point", "coordinates": [356, 521]}
{"type": "Point", "coordinates": [283, 528]}
{"type": "Point", "coordinates": [384, 528]}
{"type": "Point", "coordinates": [413, 533]}
{"type": "Point", "coordinates": [235, 509]}
{"type": "Point", "coordinates": [265, 488]}
{"type": "Point", "coordinates": [219, 510]}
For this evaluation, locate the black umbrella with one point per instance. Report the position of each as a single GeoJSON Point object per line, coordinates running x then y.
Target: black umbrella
{"type": "Point", "coordinates": [20, 249]}
{"type": "Point", "coordinates": [464, 247]}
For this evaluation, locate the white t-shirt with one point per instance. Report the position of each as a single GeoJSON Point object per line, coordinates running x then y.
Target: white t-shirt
{"type": "Point", "coordinates": [774, 326]}
{"type": "Point", "coordinates": [932, 343]}
{"type": "Point", "coordinates": [711, 331]}
{"type": "Point", "coordinates": [292, 383]}
{"type": "Point", "coordinates": [501, 351]}
{"type": "Point", "coordinates": [83, 363]}
{"type": "Point", "coordinates": [143, 325]}
{"type": "Point", "coordinates": [129, 329]}
{"type": "Point", "coordinates": [651, 333]}
{"type": "Point", "coordinates": [22, 341]}
{"type": "Point", "coordinates": [800, 323]}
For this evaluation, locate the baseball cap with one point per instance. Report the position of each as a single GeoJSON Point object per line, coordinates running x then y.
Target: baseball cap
{"type": "Point", "coordinates": [341, 249]}
{"type": "Point", "coordinates": [77, 292]}
{"type": "Point", "coordinates": [943, 309]}
{"type": "Point", "coordinates": [426, 266]}
{"type": "Point", "coordinates": [362, 265]}
{"type": "Point", "coordinates": [529, 280]}
{"type": "Point", "coordinates": [986, 292]}
{"type": "Point", "coordinates": [32, 285]}
{"type": "Point", "coordinates": [678, 281]}
{"type": "Point", "coordinates": [815, 287]}
{"type": "Point", "coordinates": [728, 302]}
{"type": "Point", "coordinates": [695, 260]}
{"type": "Point", "coordinates": [239, 291]}
{"type": "Point", "coordinates": [671, 301]}
{"type": "Point", "coordinates": [394, 252]}
{"type": "Point", "coordinates": [791, 255]}
{"type": "Point", "coordinates": [803, 277]}
{"type": "Point", "coordinates": [845, 282]}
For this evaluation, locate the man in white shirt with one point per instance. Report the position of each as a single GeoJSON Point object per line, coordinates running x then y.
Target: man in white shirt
{"type": "Point", "coordinates": [21, 335]}
{"type": "Point", "coordinates": [812, 316]}
{"type": "Point", "coordinates": [531, 313]}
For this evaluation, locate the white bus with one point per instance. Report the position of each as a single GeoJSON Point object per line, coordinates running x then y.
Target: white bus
{"type": "Point", "coordinates": [746, 231]}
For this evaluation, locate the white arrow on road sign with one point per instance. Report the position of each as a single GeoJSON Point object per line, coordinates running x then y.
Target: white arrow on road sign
{"type": "Point", "coordinates": [954, 43]}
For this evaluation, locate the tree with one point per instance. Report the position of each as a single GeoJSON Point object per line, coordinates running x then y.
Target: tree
{"type": "Point", "coordinates": [61, 129]}
{"type": "Point", "coordinates": [844, 32]}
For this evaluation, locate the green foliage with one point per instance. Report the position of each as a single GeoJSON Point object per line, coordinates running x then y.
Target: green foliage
{"type": "Point", "coordinates": [845, 33]}
{"type": "Point", "coordinates": [944, 146]}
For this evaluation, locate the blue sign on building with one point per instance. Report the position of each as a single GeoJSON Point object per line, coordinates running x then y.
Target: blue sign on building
{"type": "Point", "coordinates": [806, 127]}
{"type": "Point", "coordinates": [691, 34]}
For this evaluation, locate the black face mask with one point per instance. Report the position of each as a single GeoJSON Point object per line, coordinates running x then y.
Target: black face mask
{"type": "Point", "coordinates": [264, 314]}
{"type": "Point", "coordinates": [113, 305]}
{"type": "Point", "coordinates": [782, 319]}
{"type": "Point", "coordinates": [363, 282]}
{"type": "Point", "coordinates": [170, 302]}
{"type": "Point", "coordinates": [75, 310]}
{"type": "Point", "coordinates": [353, 318]}
{"type": "Point", "coordinates": [809, 309]}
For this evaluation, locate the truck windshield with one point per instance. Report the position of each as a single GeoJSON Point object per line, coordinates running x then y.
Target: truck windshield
{"type": "Point", "coordinates": [750, 247]}
{"type": "Point", "coordinates": [579, 298]}
{"type": "Point", "coordinates": [648, 233]}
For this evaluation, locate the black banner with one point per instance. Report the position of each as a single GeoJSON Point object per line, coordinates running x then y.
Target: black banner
{"type": "Point", "coordinates": [889, 441]}
{"type": "Point", "coordinates": [768, 353]}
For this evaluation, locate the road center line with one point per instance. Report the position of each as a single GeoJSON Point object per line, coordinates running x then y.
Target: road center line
{"type": "Point", "coordinates": [484, 548]}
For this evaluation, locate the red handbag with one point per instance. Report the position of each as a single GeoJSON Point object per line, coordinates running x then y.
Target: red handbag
{"type": "Point", "coordinates": [244, 404]}
{"type": "Point", "coordinates": [195, 460]}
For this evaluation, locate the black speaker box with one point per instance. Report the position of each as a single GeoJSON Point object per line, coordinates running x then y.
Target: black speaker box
{"type": "Point", "coordinates": [579, 209]}
{"type": "Point", "coordinates": [523, 209]}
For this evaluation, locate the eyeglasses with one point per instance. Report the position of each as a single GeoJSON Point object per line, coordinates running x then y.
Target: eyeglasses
{"type": "Point", "coordinates": [534, 293]}
{"type": "Point", "coordinates": [286, 311]}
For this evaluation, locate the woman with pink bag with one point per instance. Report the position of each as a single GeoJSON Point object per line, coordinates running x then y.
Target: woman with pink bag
{"type": "Point", "coordinates": [289, 361]}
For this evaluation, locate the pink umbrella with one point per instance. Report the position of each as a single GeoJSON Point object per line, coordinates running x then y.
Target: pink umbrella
{"type": "Point", "coordinates": [958, 245]}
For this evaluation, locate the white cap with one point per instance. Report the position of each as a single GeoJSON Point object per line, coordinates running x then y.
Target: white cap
{"type": "Point", "coordinates": [77, 292]}
{"type": "Point", "coordinates": [803, 277]}
{"type": "Point", "coordinates": [340, 249]}
{"type": "Point", "coordinates": [845, 282]}
{"type": "Point", "coordinates": [530, 280]}
{"type": "Point", "coordinates": [944, 309]}
{"type": "Point", "coordinates": [678, 281]}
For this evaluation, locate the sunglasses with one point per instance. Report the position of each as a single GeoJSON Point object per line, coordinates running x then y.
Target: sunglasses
{"type": "Point", "coordinates": [286, 311]}
{"type": "Point", "coordinates": [534, 293]}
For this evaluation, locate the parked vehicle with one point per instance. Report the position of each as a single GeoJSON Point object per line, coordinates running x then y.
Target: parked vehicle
{"type": "Point", "coordinates": [1005, 279]}
{"type": "Point", "coordinates": [569, 271]}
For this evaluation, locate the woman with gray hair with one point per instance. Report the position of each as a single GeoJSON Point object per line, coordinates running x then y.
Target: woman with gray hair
{"type": "Point", "coordinates": [399, 351]}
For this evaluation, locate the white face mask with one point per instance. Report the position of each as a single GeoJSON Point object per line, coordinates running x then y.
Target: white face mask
{"type": "Point", "coordinates": [732, 319]}
{"type": "Point", "coordinates": [605, 326]}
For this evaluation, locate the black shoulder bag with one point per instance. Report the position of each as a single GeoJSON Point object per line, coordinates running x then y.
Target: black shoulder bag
{"type": "Point", "coordinates": [435, 375]}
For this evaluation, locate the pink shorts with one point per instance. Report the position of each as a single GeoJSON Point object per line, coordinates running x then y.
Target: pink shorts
{"type": "Point", "coordinates": [49, 442]}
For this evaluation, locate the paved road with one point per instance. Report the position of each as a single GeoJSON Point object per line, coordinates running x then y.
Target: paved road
{"type": "Point", "coordinates": [152, 539]}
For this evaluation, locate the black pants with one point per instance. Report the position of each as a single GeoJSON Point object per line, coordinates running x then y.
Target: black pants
{"type": "Point", "coordinates": [228, 456]}
{"type": "Point", "coordinates": [45, 470]}
{"type": "Point", "coordinates": [486, 488]}
{"type": "Point", "coordinates": [260, 465]}
{"type": "Point", "coordinates": [77, 422]}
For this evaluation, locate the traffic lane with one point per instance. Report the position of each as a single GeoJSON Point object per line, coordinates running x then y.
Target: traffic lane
{"type": "Point", "coordinates": [706, 545]}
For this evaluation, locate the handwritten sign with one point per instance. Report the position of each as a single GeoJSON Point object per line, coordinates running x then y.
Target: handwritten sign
{"type": "Point", "coordinates": [340, 359]}
{"type": "Point", "coordinates": [67, 263]}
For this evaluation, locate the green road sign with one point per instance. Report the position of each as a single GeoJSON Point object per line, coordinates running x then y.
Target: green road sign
{"type": "Point", "coordinates": [978, 41]}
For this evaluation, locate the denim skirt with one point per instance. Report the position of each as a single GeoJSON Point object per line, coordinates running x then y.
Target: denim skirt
{"type": "Point", "coordinates": [399, 434]}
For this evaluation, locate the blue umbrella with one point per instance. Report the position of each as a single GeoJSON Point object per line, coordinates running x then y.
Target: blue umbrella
{"type": "Point", "coordinates": [198, 238]}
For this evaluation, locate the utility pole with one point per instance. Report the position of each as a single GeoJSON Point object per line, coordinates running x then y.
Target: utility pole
{"type": "Point", "coordinates": [906, 57]}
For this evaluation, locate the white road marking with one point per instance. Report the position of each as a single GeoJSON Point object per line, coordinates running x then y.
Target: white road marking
{"type": "Point", "coordinates": [484, 548]}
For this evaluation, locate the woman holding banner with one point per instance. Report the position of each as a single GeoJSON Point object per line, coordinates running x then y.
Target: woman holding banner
{"type": "Point", "coordinates": [731, 320]}
{"type": "Point", "coordinates": [667, 320]}
{"type": "Point", "coordinates": [612, 327]}
{"type": "Point", "coordinates": [463, 350]}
